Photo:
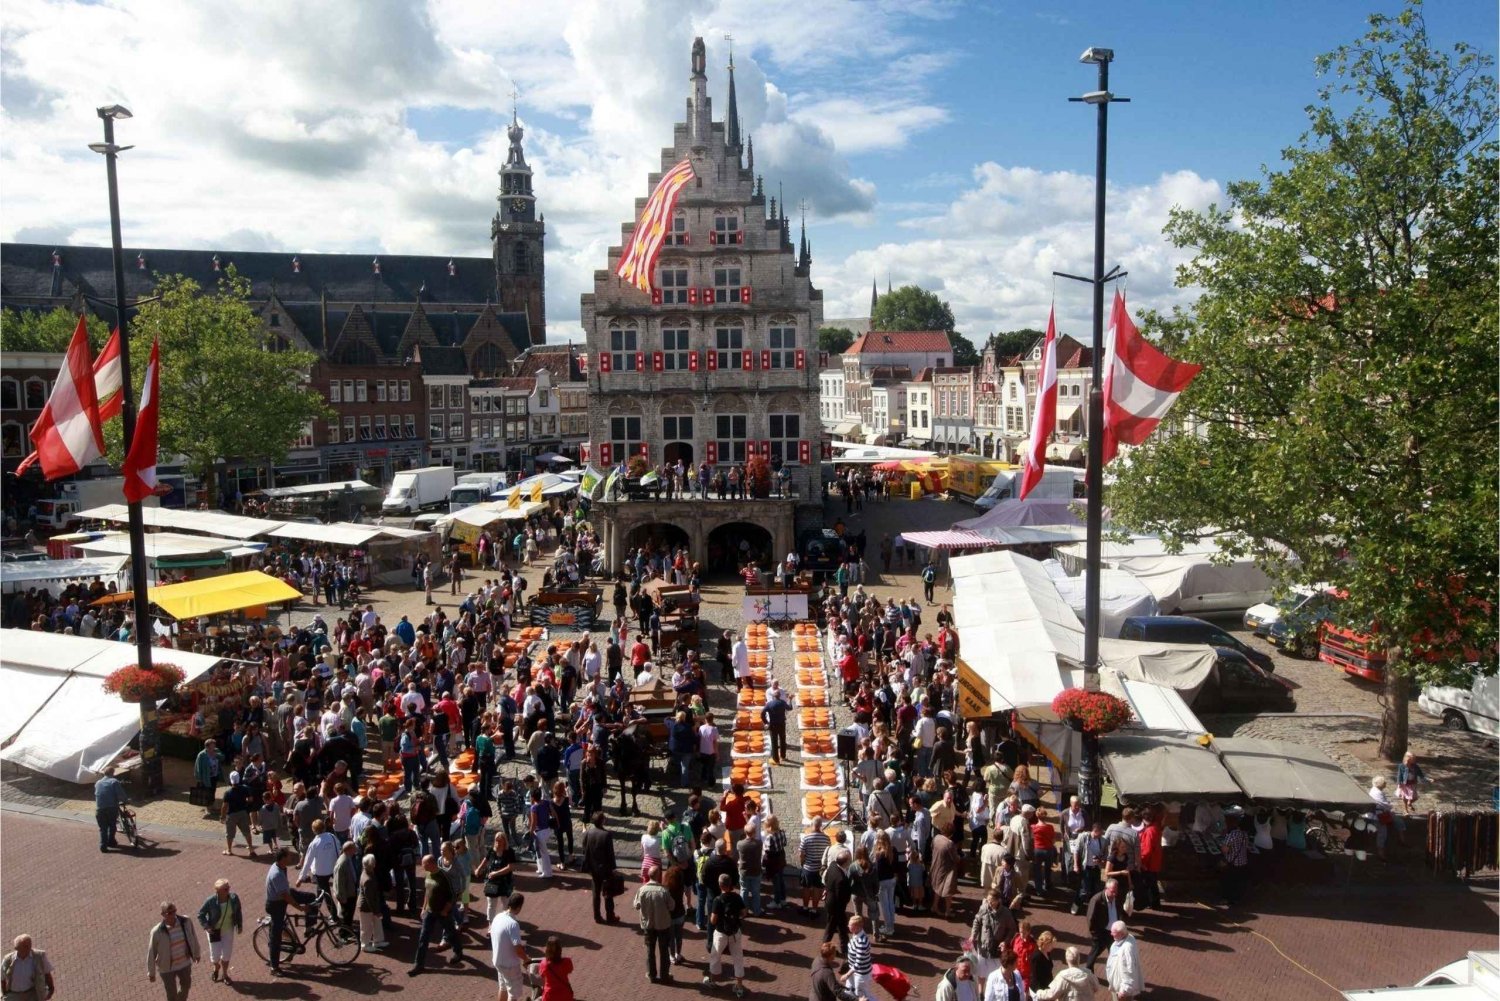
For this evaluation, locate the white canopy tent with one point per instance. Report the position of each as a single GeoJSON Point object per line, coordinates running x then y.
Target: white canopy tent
{"type": "Point", "coordinates": [855, 453]}
{"type": "Point", "coordinates": [553, 485]}
{"type": "Point", "coordinates": [43, 573]}
{"type": "Point", "coordinates": [56, 717]}
{"type": "Point", "coordinates": [229, 526]}
{"type": "Point", "coordinates": [337, 534]}
{"type": "Point", "coordinates": [159, 544]}
{"type": "Point", "coordinates": [1121, 595]}
{"type": "Point", "coordinates": [314, 489]}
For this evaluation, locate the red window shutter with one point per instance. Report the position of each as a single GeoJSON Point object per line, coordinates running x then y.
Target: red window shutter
{"type": "Point", "coordinates": [801, 358]}
{"type": "Point", "coordinates": [739, 236]}
{"type": "Point", "coordinates": [640, 361]}
{"type": "Point", "coordinates": [711, 452]}
{"type": "Point", "coordinates": [687, 238]}
{"type": "Point", "coordinates": [603, 361]}
{"type": "Point", "coordinates": [765, 360]}
{"type": "Point", "coordinates": [713, 360]}
{"type": "Point", "coordinates": [747, 360]}
{"type": "Point", "coordinates": [708, 295]}
{"type": "Point", "coordinates": [765, 448]}
{"type": "Point", "coordinates": [804, 452]}
{"type": "Point", "coordinates": [828, 450]}
{"type": "Point", "coordinates": [658, 362]}
{"type": "Point", "coordinates": [656, 297]}
{"type": "Point", "coordinates": [606, 451]}
{"type": "Point", "coordinates": [745, 294]}
{"type": "Point", "coordinates": [692, 297]}
{"type": "Point", "coordinates": [583, 451]}
{"type": "Point", "coordinates": [692, 361]}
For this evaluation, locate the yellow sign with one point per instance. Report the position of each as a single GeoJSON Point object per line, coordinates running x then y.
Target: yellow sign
{"type": "Point", "coordinates": [973, 693]}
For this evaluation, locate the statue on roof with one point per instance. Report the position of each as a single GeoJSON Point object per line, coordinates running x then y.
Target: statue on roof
{"type": "Point", "coordinates": [700, 60]}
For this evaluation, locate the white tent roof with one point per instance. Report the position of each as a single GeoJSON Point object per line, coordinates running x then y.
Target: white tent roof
{"type": "Point", "coordinates": [1021, 637]}
{"type": "Point", "coordinates": [1173, 579]}
{"type": "Point", "coordinates": [340, 534]}
{"type": "Point", "coordinates": [1034, 511]}
{"type": "Point", "coordinates": [853, 451]}
{"type": "Point", "coordinates": [56, 717]}
{"type": "Point", "coordinates": [553, 485]}
{"type": "Point", "coordinates": [15, 574]}
{"type": "Point", "coordinates": [229, 526]}
{"type": "Point", "coordinates": [314, 489]}
{"type": "Point", "coordinates": [159, 544]}
{"type": "Point", "coordinates": [1155, 707]}
{"type": "Point", "coordinates": [1121, 595]}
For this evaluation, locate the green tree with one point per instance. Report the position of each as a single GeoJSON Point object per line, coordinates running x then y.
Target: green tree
{"type": "Point", "coordinates": [835, 340]}
{"type": "Point", "coordinates": [1347, 405]}
{"type": "Point", "coordinates": [911, 308]}
{"type": "Point", "coordinates": [33, 331]}
{"type": "Point", "coordinates": [223, 395]}
{"type": "Point", "coordinates": [964, 352]}
{"type": "Point", "coordinates": [1010, 343]}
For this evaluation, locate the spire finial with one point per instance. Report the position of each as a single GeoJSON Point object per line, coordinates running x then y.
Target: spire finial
{"type": "Point", "coordinates": [781, 197]}
{"type": "Point", "coordinates": [732, 118]}
{"type": "Point", "coordinates": [874, 293]}
{"type": "Point", "coordinates": [514, 106]}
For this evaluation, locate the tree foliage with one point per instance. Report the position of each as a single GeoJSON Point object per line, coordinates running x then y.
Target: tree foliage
{"type": "Point", "coordinates": [223, 395]}
{"type": "Point", "coordinates": [911, 308]}
{"type": "Point", "coordinates": [1010, 343]}
{"type": "Point", "coordinates": [28, 330]}
{"type": "Point", "coordinates": [964, 352]}
{"type": "Point", "coordinates": [1347, 405]}
{"type": "Point", "coordinates": [835, 340]}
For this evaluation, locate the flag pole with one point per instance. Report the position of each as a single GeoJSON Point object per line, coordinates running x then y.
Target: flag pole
{"type": "Point", "coordinates": [1089, 783]}
{"type": "Point", "coordinates": [151, 769]}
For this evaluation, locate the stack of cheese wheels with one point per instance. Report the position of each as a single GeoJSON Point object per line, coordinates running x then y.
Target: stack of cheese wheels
{"type": "Point", "coordinates": [822, 774]}
{"type": "Point", "coordinates": [750, 773]}
{"type": "Point", "coordinates": [749, 743]}
{"type": "Point", "coordinates": [815, 719]}
{"type": "Point", "coordinates": [748, 720]}
{"type": "Point", "coordinates": [750, 697]}
{"type": "Point", "coordinates": [820, 804]}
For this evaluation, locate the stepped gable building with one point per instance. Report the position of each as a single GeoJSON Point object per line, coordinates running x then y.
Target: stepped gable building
{"type": "Point", "coordinates": [368, 317]}
{"type": "Point", "coordinates": [720, 363]}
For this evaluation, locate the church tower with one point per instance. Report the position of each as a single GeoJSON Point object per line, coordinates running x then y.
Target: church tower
{"type": "Point", "coordinates": [518, 235]}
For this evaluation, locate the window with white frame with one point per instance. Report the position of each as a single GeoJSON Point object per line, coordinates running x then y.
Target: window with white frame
{"type": "Point", "coordinates": [361, 391]}
{"type": "Point", "coordinates": [436, 398]}
{"type": "Point", "coordinates": [730, 432]}
{"type": "Point", "coordinates": [786, 430]}
{"type": "Point", "coordinates": [455, 428]}
{"type": "Point", "coordinates": [411, 426]}
{"type": "Point", "coordinates": [333, 432]}
{"type": "Point", "coordinates": [36, 394]}
{"type": "Point", "coordinates": [674, 344]}
{"type": "Point", "coordinates": [679, 235]}
{"type": "Point", "coordinates": [729, 342]}
{"type": "Point", "coordinates": [783, 344]}
{"type": "Point", "coordinates": [455, 397]}
{"type": "Point", "coordinates": [335, 394]}
{"type": "Point", "coordinates": [380, 427]}
{"type": "Point", "coordinates": [437, 430]}
{"type": "Point", "coordinates": [405, 390]}
{"type": "Point", "coordinates": [625, 437]}
{"type": "Point", "coordinates": [10, 394]}
{"type": "Point", "coordinates": [364, 428]}
{"type": "Point", "coordinates": [673, 283]}
{"type": "Point", "coordinates": [727, 281]}
{"type": "Point", "coordinates": [623, 344]}
{"type": "Point", "coordinates": [726, 227]}
{"type": "Point", "coordinates": [379, 390]}
{"type": "Point", "coordinates": [349, 431]}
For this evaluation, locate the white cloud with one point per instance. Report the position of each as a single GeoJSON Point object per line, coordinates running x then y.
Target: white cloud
{"type": "Point", "coordinates": [992, 251]}
{"type": "Point", "coordinates": [858, 126]}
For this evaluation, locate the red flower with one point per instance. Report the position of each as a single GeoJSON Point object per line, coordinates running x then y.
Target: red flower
{"type": "Point", "coordinates": [137, 684]}
{"type": "Point", "coordinates": [1094, 712]}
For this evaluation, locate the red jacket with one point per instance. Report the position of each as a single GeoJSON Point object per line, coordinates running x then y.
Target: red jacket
{"type": "Point", "coordinates": [1151, 847]}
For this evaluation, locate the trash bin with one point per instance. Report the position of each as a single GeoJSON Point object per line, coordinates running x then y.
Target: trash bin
{"type": "Point", "coordinates": [916, 489]}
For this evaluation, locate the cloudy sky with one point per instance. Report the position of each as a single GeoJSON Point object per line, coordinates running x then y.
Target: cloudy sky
{"type": "Point", "coordinates": [931, 141]}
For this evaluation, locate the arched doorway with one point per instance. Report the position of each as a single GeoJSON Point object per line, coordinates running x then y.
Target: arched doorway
{"type": "Point", "coordinates": [659, 536]}
{"type": "Point", "coordinates": [678, 450]}
{"type": "Point", "coordinates": [731, 544]}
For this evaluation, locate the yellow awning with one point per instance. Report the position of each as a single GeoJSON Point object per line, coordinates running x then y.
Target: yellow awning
{"type": "Point", "coordinates": [227, 593]}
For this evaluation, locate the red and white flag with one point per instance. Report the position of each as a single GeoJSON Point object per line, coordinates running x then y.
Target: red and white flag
{"type": "Point", "coordinates": [68, 435]}
{"type": "Point", "coordinates": [1140, 383]}
{"type": "Point", "coordinates": [107, 378]}
{"type": "Point", "coordinates": [1044, 417]}
{"type": "Point", "coordinates": [140, 461]}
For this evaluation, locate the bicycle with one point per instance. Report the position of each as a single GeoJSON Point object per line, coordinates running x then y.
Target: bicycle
{"type": "Point", "coordinates": [337, 945]}
{"type": "Point", "coordinates": [129, 830]}
{"type": "Point", "coordinates": [1320, 833]}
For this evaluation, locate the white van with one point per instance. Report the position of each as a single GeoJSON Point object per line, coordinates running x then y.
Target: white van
{"type": "Point", "coordinates": [1476, 708]}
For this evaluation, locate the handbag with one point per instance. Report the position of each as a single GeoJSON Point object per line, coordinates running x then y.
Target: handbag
{"type": "Point", "coordinates": [614, 883]}
{"type": "Point", "coordinates": [1129, 903]}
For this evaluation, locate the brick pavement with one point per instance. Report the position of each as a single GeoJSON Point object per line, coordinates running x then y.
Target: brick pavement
{"type": "Point", "coordinates": [92, 911]}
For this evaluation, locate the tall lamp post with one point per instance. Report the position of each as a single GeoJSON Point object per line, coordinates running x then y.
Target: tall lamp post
{"type": "Point", "coordinates": [1089, 784]}
{"type": "Point", "coordinates": [151, 770]}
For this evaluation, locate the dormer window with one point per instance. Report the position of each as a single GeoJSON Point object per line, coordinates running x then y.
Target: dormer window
{"type": "Point", "coordinates": [296, 266]}
{"type": "Point", "coordinates": [140, 262]}
{"type": "Point", "coordinates": [217, 266]}
{"type": "Point", "coordinates": [375, 264]}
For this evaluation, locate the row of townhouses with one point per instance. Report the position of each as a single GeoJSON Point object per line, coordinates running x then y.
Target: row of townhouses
{"type": "Point", "coordinates": [900, 388]}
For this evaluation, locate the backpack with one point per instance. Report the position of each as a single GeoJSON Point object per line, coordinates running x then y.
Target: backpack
{"type": "Point", "coordinates": [681, 846]}
{"type": "Point", "coordinates": [929, 575]}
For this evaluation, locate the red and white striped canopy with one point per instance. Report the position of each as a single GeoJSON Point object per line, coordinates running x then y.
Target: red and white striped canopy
{"type": "Point", "coordinates": [949, 539]}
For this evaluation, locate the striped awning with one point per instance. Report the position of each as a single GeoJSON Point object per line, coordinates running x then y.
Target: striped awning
{"type": "Point", "coordinates": [948, 539]}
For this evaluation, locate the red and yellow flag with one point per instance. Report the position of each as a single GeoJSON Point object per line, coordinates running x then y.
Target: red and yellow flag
{"type": "Point", "coordinates": [638, 262]}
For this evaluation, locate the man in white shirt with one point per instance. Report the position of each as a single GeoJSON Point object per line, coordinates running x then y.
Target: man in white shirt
{"type": "Point", "coordinates": [369, 619]}
{"type": "Point", "coordinates": [341, 810]}
{"type": "Point", "coordinates": [592, 663]}
{"type": "Point", "coordinates": [322, 856]}
{"type": "Point", "coordinates": [28, 971]}
{"type": "Point", "coordinates": [506, 951]}
{"type": "Point", "coordinates": [1123, 967]}
{"type": "Point", "coordinates": [412, 703]}
{"type": "Point", "coordinates": [479, 681]}
{"type": "Point", "coordinates": [708, 750]}
{"type": "Point", "coordinates": [740, 658]}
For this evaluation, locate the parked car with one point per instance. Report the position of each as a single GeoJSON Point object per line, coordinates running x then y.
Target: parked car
{"type": "Point", "coordinates": [1297, 630]}
{"type": "Point", "coordinates": [1236, 685]}
{"type": "Point", "coordinates": [1186, 629]}
{"type": "Point", "coordinates": [1475, 708]}
{"type": "Point", "coordinates": [1258, 618]}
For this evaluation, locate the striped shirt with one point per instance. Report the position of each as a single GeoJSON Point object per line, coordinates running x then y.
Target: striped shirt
{"type": "Point", "coordinates": [858, 956]}
{"type": "Point", "coordinates": [814, 846]}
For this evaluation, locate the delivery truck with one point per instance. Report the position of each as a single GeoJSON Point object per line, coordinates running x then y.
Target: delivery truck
{"type": "Point", "coordinates": [473, 488]}
{"type": "Point", "coordinates": [415, 489]}
{"type": "Point", "coordinates": [61, 513]}
{"type": "Point", "coordinates": [1057, 481]}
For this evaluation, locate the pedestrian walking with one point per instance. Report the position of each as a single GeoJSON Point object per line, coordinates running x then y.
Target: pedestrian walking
{"type": "Point", "coordinates": [1123, 968]}
{"type": "Point", "coordinates": [437, 916]}
{"type": "Point", "coordinates": [929, 579]}
{"type": "Point", "coordinates": [171, 950]}
{"type": "Point", "coordinates": [222, 919]}
{"type": "Point", "coordinates": [857, 957]}
{"type": "Point", "coordinates": [234, 811]}
{"type": "Point", "coordinates": [825, 980]}
{"type": "Point", "coordinates": [599, 861]}
{"type": "Point", "coordinates": [1105, 908]}
{"type": "Point", "coordinates": [554, 971]}
{"type": "Point", "coordinates": [507, 952]}
{"type": "Point", "coordinates": [26, 972]}
{"type": "Point", "coordinates": [370, 934]}
{"type": "Point", "coordinates": [1408, 775]}
{"type": "Point", "coordinates": [727, 921]}
{"type": "Point", "coordinates": [109, 800]}
{"type": "Point", "coordinates": [279, 896]}
{"type": "Point", "coordinates": [655, 905]}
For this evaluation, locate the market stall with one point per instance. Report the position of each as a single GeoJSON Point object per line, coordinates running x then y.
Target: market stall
{"type": "Point", "coordinates": [60, 573]}
{"type": "Point", "coordinates": [217, 523]}
{"type": "Point", "coordinates": [1150, 765]}
{"type": "Point", "coordinates": [1281, 773]}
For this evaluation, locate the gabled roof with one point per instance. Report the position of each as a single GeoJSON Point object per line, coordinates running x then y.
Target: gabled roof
{"type": "Point", "coordinates": [923, 376]}
{"type": "Point", "coordinates": [439, 360]}
{"type": "Point", "coordinates": [1072, 354]}
{"type": "Point", "coordinates": [888, 372]}
{"type": "Point", "coordinates": [557, 359]}
{"type": "Point", "coordinates": [26, 269]}
{"type": "Point", "coordinates": [899, 341]}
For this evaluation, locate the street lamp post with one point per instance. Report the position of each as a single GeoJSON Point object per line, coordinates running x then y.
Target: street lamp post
{"type": "Point", "coordinates": [151, 770]}
{"type": "Point", "coordinates": [1089, 784]}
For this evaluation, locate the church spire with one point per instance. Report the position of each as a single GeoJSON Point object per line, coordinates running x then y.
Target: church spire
{"type": "Point", "coordinates": [732, 118]}
{"type": "Point", "coordinates": [698, 109]}
{"type": "Point", "coordinates": [874, 293]}
{"type": "Point", "coordinates": [750, 153]}
{"type": "Point", "coordinates": [804, 249]}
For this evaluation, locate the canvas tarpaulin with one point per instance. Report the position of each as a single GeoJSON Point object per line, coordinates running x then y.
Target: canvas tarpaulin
{"type": "Point", "coordinates": [227, 593]}
{"type": "Point", "coordinates": [57, 718]}
{"type": "Point", "coordinates": [1120, 596]}
{"type": "Point", "coordinates": [38, 573]}
{"type": "Point", "coordinates": [1280, 773]}
{"type": "Point", "coordinates": [1164, 764]}
{"type": "Point", "coordinates": [219, 523]}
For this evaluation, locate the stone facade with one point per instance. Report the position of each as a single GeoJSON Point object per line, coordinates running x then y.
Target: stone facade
{"type": "Point", "coordinates": [707, 526]}
{"type": "Point", "coordinates": [721, 363]}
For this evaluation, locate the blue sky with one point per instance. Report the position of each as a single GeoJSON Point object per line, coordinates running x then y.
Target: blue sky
{"type": "Point", "coordinates": [933, 141]}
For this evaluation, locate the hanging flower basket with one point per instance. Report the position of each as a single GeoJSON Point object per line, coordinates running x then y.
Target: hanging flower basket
{"type": "Point", "coordinates": [139, 684]}
{"type": "Point", "coordinates": [1091, 712]}
{"type": "Point", "coordinates": [758, 471]}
